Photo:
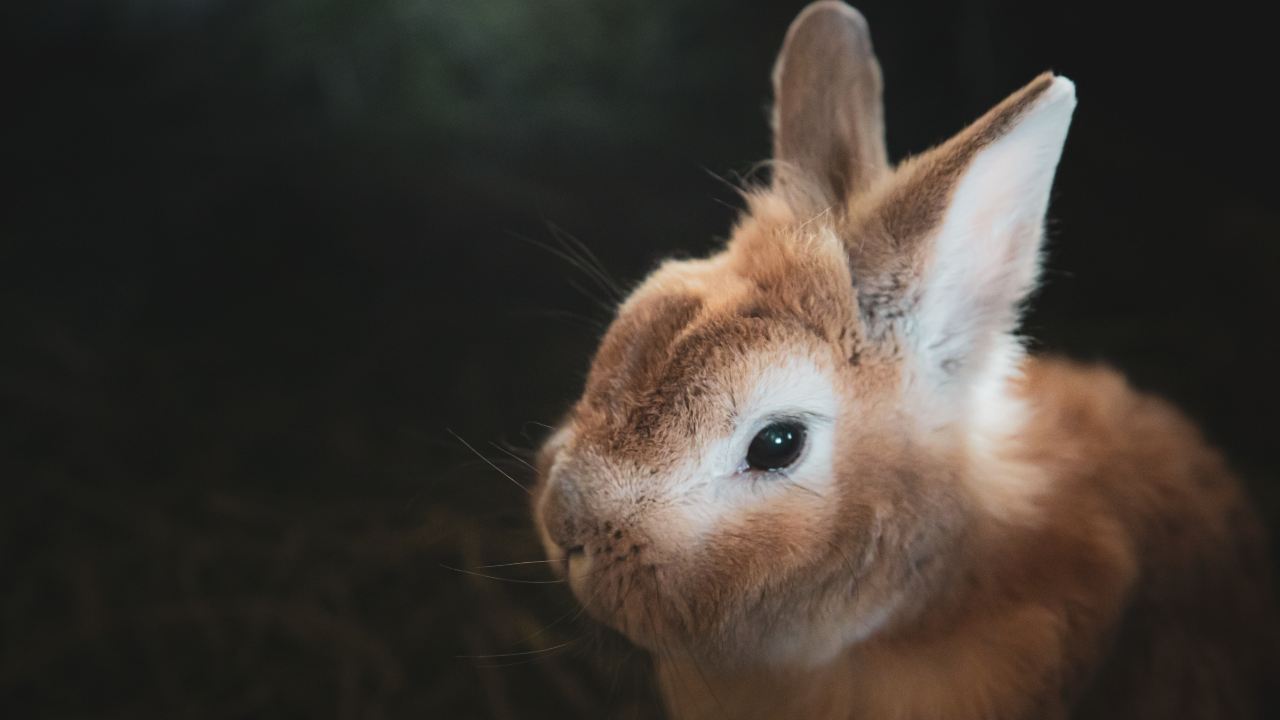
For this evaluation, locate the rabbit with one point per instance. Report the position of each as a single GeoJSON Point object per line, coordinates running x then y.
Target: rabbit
{"type": "Point", "coordinates": [816, 474]}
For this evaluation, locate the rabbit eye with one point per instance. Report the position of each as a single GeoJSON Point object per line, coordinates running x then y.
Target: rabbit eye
{"type": "Point", "coordinates": [776, 446]}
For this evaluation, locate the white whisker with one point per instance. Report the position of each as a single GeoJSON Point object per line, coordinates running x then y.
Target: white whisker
{"type": "Point", "coordinates": [513, 456]}
{"type": "Point", "coordinates": [489, 462]}
{"type": "Point", "coordinates": [512, 564]}
{"type": "Point", "coordinates": [501, 579]}
{"type": "Point", "coordinates": [521, 653]}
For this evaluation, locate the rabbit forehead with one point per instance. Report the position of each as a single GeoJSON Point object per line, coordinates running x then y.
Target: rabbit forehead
{"type": "Point", "coordinates": [688, 346]}
{"type": "Point", "coordinates": [688, 479]}
{"type": "Point", "coordinates": [716, 376]}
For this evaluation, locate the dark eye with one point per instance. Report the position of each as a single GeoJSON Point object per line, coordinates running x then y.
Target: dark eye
{"type": "Point", "coordinates": [776, 446]}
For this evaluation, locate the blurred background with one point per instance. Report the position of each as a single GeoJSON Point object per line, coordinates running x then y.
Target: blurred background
{"type": "Point", "coordinates": [267, 265]}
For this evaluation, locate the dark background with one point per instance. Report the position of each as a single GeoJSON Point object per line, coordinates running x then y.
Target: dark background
{"type": "Point", "coordinates": [258, 257]}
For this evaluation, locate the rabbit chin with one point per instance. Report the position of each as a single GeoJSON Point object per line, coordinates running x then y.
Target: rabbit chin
{"type": "Point", "coordinates": [677, 607]}
{"type": "Point", "coordinates": [678, 619]}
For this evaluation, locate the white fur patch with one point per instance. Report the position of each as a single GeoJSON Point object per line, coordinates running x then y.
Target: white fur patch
{"type": "Point", "coordinates": [986, 254]}
{"type": "Point", "coordinates": [816, 645]}
{"type": "Point", "coordinates": [1005, 487]}
{"type": "Point", "coordinates": [718, 482]}
{"type": "Point", "coordinates": [985, 260]}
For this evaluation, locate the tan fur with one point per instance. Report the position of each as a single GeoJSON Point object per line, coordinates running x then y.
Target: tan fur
{"type": "Point", "coordinates": [1046, 543]}
{"type": "Point", "coordinates": [827, 76]}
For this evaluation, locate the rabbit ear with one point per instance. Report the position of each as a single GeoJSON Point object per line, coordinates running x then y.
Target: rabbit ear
{"type": "Point", "coordinates": [828, 119]}
{"type": "Point", "coordinates": [951, 246]}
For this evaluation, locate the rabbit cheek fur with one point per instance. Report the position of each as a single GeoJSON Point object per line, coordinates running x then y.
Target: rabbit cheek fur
{"type": "Point", "coordinates": [967, 532]}
{"type": "Point", "coordinates": [685, 551]}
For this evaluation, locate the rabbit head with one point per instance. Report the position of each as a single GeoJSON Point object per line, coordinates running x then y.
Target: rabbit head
{"type": "Point", "coordinates": [782, 448]}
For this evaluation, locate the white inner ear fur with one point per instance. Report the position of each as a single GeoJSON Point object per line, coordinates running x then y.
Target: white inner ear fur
{"type": "Point", "coordinates": [986, 253]}
{"type": "Point", "coordinates": [986, 259]}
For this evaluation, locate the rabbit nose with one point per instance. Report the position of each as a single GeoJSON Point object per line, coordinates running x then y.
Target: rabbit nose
{"type": "Point", "coordinates": [587, 513]}
{"type": "Point", "coordinates": [578, 525]}
{"type": "Point", "coordinates": [563, 512]}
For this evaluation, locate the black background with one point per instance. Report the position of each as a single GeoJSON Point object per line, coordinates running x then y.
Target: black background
{"type": "Point", "coordinates": [259, 258]}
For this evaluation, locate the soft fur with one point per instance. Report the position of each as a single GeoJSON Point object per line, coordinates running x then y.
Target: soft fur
{"type": "Point", "coordinates": [970, 532]}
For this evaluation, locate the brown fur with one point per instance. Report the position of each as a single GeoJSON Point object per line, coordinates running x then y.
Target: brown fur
{"type": "Point", "coordinates": [1094, 559]}
{"type": "Point", "coordinates": [827, 76]}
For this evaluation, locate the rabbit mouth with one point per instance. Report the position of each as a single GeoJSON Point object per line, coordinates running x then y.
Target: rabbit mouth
{"type": "Point", "coordinates": [566, 559]}
{"type": "Point", "coordinates": [631, 600]}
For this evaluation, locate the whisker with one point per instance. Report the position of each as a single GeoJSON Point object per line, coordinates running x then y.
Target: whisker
{"type": "Point", "coordinates": [697, 666]}
{"type": "Point", "coordinates": [588, 257]}
{"type": "Point", "coordinates": [520, 653]}
{"type": "Point", "coordinates": [577, 264]}
{"type": "Point", "coordinates": [666, 654]}
{"type": "Point", "coordinates": [571, 616]}
{"type": "Point", "coordinates": [526, 661]}
{"type": "Point", "coordinates": [740, 188]}
{"type": "Point", "coordinates": [722, 203]}
{"type": "Point", "coordinates": [595, 325]}
{"type": "Point", "coordinates": [489, 462]}
{"type": "Point", "coordinates": [501, 579]}
{"type": "Point", "coordinates": [691, 657]}
{"type": "Point", "coordinates": [512, 564]}
{"type": "Point", "coordinates": [798, 486]}
{"type": "Point", "coordinates": [618, 668]}
{"type": "Point", "coordinates": [513, 456]}
{"type": "Point", "coordinates": [602, 304]}
{"type": "Point", "coordinates": [576, 256]}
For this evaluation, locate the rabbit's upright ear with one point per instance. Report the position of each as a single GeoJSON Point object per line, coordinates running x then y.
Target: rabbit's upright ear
{"type": "Point", "coordinates": [828, 118]}
{"type": "Point", "coordinates": [950, 247]}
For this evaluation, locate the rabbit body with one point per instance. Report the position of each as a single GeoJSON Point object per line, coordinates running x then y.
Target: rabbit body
{"type": "Point", "coordinates": [816, 476]}
{"type": "Point", "coordinates": [1143, 594]}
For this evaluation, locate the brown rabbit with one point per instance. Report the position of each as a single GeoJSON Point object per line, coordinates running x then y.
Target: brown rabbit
{"type": "Point", "coordinates": [816, 476]}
